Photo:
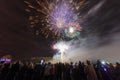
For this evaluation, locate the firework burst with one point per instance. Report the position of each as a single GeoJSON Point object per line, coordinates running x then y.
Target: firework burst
{"type": "Point", "coordinates": [53, 16]}
{"type": "Point", "coordinates": [73, 30]}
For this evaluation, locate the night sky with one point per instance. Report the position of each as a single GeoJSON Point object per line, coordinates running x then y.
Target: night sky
{"type": "Point", "coordinates": [16, 36]}
{"type": "Point", "coordinates": [19, 40]}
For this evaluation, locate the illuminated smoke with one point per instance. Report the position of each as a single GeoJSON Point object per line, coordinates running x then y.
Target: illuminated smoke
{"type": "Point", "coordinates": [93, 46]}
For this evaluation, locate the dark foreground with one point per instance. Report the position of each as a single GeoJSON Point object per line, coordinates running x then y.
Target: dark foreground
{"type": "Point", "coordinates": [59, 71]}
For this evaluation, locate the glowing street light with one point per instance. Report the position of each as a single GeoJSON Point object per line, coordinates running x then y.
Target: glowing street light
{"type": "Point", "coordinates": [62, 47]}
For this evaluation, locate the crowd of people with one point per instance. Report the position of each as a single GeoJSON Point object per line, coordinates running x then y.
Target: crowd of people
{"type": "Point", "coordinates": [59, 71]}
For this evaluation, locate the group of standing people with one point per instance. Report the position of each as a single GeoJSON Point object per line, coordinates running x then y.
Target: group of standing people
{"type": "Point", "coordinates": [59, 71]}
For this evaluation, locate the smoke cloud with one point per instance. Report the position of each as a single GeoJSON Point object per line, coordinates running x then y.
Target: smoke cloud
{"type": "Point", "coordinates": [102, 40]}
{"type": "Point", "coordinates": [88, 49]}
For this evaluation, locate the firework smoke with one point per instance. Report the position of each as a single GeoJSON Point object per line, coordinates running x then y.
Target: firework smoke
{"type": "Point", "coordinates": [96, 45]}
{"type": "Point", "coordinates": [90, 49]}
